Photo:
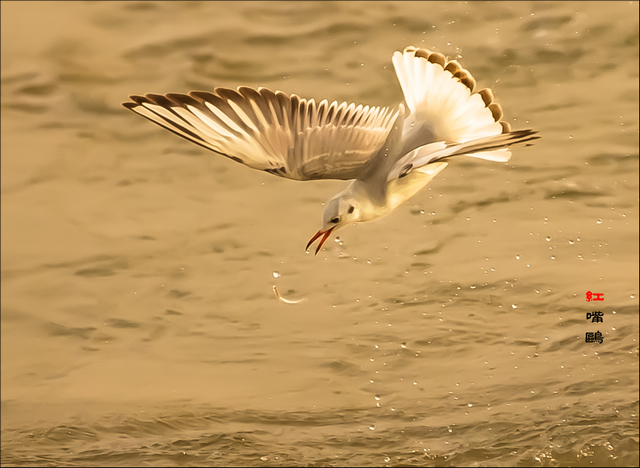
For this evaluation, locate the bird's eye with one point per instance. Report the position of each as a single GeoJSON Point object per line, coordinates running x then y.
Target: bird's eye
{"type": "Point", "coordinates": [351, 208]}
{"type": "Point", "coordinates": [335, 219]}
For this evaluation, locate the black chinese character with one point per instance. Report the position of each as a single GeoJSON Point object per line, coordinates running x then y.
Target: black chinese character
{"type": "Point", "coordinates": [593, 337]}
{"type": "Point", "coordinates": [595, 316]}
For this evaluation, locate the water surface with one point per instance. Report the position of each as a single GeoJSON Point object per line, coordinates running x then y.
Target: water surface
{"type": "Point", "coordinates": [139, 326]}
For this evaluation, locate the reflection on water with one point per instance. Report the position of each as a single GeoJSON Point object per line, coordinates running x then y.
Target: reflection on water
{"type": "Point", "coordinates": [139, 323]}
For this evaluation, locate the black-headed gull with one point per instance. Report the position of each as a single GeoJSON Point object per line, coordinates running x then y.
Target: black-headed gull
{"type": "Point", "coordinates": [388, 155]}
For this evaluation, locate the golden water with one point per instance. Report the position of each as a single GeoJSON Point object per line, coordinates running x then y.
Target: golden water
{"type": "Point", "coordinates": [139, 324]}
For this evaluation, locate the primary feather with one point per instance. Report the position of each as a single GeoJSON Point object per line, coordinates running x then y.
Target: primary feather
{"type": "Point", "coordinates": [284, 135]}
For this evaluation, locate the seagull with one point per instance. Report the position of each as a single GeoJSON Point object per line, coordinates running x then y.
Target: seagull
{"type": "Point", "coordinates": [387, 155]}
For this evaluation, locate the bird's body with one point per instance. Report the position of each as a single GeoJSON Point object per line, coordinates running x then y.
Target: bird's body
{"type": "Point", "coordinates": [388, 156]}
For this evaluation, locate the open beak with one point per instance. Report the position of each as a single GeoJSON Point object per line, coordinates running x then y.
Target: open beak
{"type": "Point", "coordinates": [326, 235]}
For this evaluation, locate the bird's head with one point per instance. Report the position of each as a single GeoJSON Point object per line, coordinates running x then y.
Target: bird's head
{"type": "Point", "coordinates": [340, 211]}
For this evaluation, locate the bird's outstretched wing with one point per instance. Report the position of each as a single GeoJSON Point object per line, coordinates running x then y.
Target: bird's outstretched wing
{"type": "Point", "coordinates": [443, 105]}
{"type": "Point", "coordinates": [271, 131]}
{"type": "Point", "coordinates": [414, 170]}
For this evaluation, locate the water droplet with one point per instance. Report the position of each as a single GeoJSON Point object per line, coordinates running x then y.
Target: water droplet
{"type": "Point", "coordinates": [473, 286]}
{"type": "Point", "coordinates": [515, 306]}
{"type": "Point", "coordinates": [403, 345]}
{"type": "Point", "coordinates": [377, 397]}
{"type": "Point", "coordinates": [571, 242]}
{"type": "Point", "coordinates": [517, 257]}
{"type": "Point", "coordinates": [372, 428]}
{"type": "Point", "coordinates": [470, 405]}
{"type": "Point", "coordinates": [548, 238]}
{"type": "Point", "coordinates": [553, 257]}
{"type": "Point", "coordinates": [632, 296]}
{"type": "Point", "coordinates": [599, 221]}
{"type": "Point", "coordinates": [276, 274]}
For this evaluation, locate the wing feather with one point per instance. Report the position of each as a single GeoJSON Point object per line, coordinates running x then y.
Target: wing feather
{"type": "Point", "coordinates": [440, 95]}
{"type": "Point", "coordinates": [271, 131]}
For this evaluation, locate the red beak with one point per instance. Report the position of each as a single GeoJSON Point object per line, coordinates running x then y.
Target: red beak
{"type": "Point", "coordinates": [326, 234]}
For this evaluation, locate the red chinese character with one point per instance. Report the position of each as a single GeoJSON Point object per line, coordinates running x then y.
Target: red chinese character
{"type": "Point", "coordinates": [594, 296]}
